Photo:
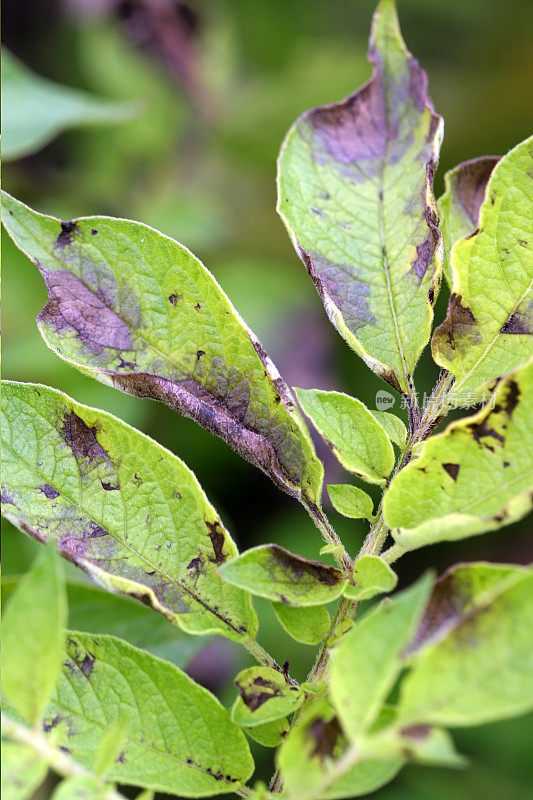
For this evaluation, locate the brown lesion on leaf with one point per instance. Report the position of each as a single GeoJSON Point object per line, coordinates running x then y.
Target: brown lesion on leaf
{"type": "Point", "coordinates": [297, 567]}
{"type": "Point", "coordinates": [258, 692]}
{"type": "Point", "coordinates": [482, 430]}
{"type": "Point", "coordinates": [452, 469]}
{"type": "Point", "coordinates": [110, 487]}
{"type": "Point", "coordinates": [81, 439]}
{"type": "Point", "coordinates": [48, 491]}
{"type": "Point", "coordinates": [218, 539]}
{"type": "Point", "coordinates": [469, 183]}
{"type": "Point", "coordinates": [326, 736]}
{"type": "Point", "coordinates": [517, 325]}
{"type": "Point", "coordinates": [67, 233]}
{"type": "Point", "coordinates": [460, 322]}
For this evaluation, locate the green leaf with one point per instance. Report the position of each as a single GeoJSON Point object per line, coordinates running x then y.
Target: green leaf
{"type": "Point", "coordinates": [33, 631]}
{"type": "Point", "coordinates": [459, 206]}
{"type": "Point", "coordinates": [36, 110]}
{"type": "Point", "coordinates": [180, 740]}
{"type": "Point", "coordinates": [119, 506]}
{"type": "Point", "coordinates": [80, 787]}
{"type": "Point", "coordinates": [110, 747]}
{"type": "Point", "coordinates": [371, 576]}
{"type": "Point", "coordinates": [367, 662]}
{"type": "Point", "coordinates": [351, 501]}
{"type": "Point", "coordinates": [393, 425]}
{"type": "Point", "coordinates": [357, 439]}
{"type": "Point", "coordinates": [271, 571]}
{"type": "Point", "coordinates": [269, 734]}
{"type": "Point", "coordinates": [308, 625]}
{"type": "Point", "coordinates": [316, 760]}
{"type": "Point", "coordinates": [422, 744]}
{"type": "Point", "coordinates": [473, 652]}
{"type": "Point", "coordinates": [355, 192]}
{"type": "Point", "coordinates": [23, 770]}
{"type": "Point", "coordinates": [487, 331]}
{"type": "Point", "coordinates": [474, 477]}
{"type": "Point", "coordinates": [95, 611]}
{"type": "Point", "coordinates": [136, 310]}
{"type": "Point", "coordinates": [264, 695]}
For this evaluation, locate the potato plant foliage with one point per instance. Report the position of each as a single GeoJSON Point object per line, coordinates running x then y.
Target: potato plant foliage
{"type": "Point", "coordinates": [138, 311]}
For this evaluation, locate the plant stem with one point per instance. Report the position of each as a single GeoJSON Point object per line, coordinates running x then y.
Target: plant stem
{"type": "Point", "coordinates": [329, 535]}
{"type": "Point", "coordinates": [56, 759]}
{"type": "Point", "coordinates": [264, 658]}
{"type": "Point", "coordinates": [393, 553]}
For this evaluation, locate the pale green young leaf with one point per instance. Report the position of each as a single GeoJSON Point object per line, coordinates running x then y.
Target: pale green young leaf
{"type": "Point", "coordinates": [36, 110]}
{"type": "Point", "coordinates": [487, 332]}
{"type": "Point", "coordinates": [367, 662]}
{"type": "Point", "coordinates": [317, 762]}
{"type": "Point", "coordinates": [422, 744]}
{"type": "Point", "coordinates": [393, 425]}
{"type": "Point", "coordinates": [180, 740]}
{"type": "Point", "coordinates": [110, 747]}
{"type": "Point", "coordinates": [308, 625]}
{"type": "Point", "coordinates": [474, 477]}
{"type": "Point", "coordinates": [269, 734]}
{"type": "Point", "coordinates": [355, 193]}
{"type": "Point", "coordinates": [33, 630]}
{"type": "Point", "coordinates": [95, 611]}
{"type": "Point", "coordinates": [473, 653]}
{"type": "Point", "coordinates": [355, 436]}
{"type": "Point", "coordinates": [371, 576]}
{"type": "Point", "coordinates": [459, 206]}
{"type": "Point", "coordinates": [23, 771]}
{"type": "Point", "coordinates": [80, 787]}
{"type": "Point", "coordinates": [350, 501]}
{"type": "Point", "coordinates": [271, 571]}
{"type": "Point", "coordinates": [264, 695]}
{"type": "Point", "coordinates": [119, 506]}
{"type": "Point", "coordinates": [136, 310]}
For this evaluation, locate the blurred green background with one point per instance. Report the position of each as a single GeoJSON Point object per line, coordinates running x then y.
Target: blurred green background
{"type": "Point", "coordinates": [216, 86]}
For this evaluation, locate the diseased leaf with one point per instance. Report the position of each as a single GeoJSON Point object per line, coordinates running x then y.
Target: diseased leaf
{"type": "Point", "coordinates": [422, 744]}
{"type": "Point", "coordinates": [36, 110]}
{"type": "Point", "coordinates": [355, 436]}
{"type": "Point", "coordinates": [308, 625]}
{"type": "Point", "coordinates": [136, 310]}
{"type": "Point", "coordinates": [95, 611]}
{"type": "Point", "coordinates": [371, 576]}
{"type": "Point", "coordinates": [264, 695]}
{"type": "Point", "coordinates": [104, 677]}
{"type": "Point", "coordinates": [473, 652]}
{"type": "Point", "coordinates": [310, 760]}
{"type": "Point", "coordinates": [351, 501]}
{"type": "Point", "coordinates": [459, 205]}
{"type": "Point", "coordinates": [367, 662]}
{"type": "Point", "coordinates": [23, 770]}
{"type": "Point", "coordinates": [271, 571]}
{"type": "Point", "coordinates": [33, 632]}
{"type": "Point", "coordinates": [441, 495]}
{"type": "Point", "coordinates": [393, 425]}
{"type": "Point", "coordinates": [487, 332]}
{"type": "Point", "coordinates": [355, 192]}
{"type": "Point", "coordinates": [269, 734]}
{"type": "Point", "coordinates": [119, 506]}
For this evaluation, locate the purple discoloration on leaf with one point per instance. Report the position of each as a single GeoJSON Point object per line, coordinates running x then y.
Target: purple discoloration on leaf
{"type": "Point", "coordinates": [469, 182]}
{"type": "Point", "coordinates": [67, 233]}
{"type": "Point", "coordinates": [49, 491]}
{"type": "Point", "coordinates": [325, 735]}
{"type": "Point", "coordinates": [74, 307]}
{"type": "Point", "coordinates": [81, 439]}
{"type": "Point", "coordinates": [296, 567]}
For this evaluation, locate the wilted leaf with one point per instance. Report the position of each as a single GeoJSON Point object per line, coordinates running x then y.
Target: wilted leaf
{"type": "Point", "coordinates": [23, 771]}
{"type": "Point", "coordinates": [473, 652]}
{"type": "Point", "coordinates": [487, 331]}
{"type": "Point", "coordinates": [33, 631]}
{"type": "Point", "coordinates": [474, 477]}
{"type": "Point", "coordinates": [119, 506]}
{"type": "Point", "coordinates": [367, 662]}
{"type": "Point", "coordinates": [351, 501]}
{"type": "Point", "coordinates": [371, 576]}
{"type": "Point", "coordinates": [35, 110]}
{"type": "Point", "coordinates": [311, 756]}
{"type": "Point", "coordinates": [459, 205]}
{"type": "Point", "coordinates": [104, 677]}
{"type": "Point", "coordinates": [271, 571]}
{"type": "Point", "coordinates": [355, 192]}
{"type": "Point", "coordinates": [355, 436]}
{"type": "Point", "coordinates": [264, 695]}
{"type": "Point", "coordinates": [136, 310]}
{"type": "Point", "coordinates": [307, 624]}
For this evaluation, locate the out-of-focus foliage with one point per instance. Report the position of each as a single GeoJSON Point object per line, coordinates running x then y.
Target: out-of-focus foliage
{"type": "Point", "coordinates": [205, 174]}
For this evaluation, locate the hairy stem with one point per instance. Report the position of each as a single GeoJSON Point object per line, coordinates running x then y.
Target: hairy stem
{"type": "Point", "coordinates": [329, 535]}
{"type": "Point", "coordinates": [266, 660]}
{"type": "Point", "coordinates": [56, 759]}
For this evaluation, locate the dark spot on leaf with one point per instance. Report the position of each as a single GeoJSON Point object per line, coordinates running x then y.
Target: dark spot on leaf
{"type": "Point", "coordinates": [137, 479]}
{"type": "Point", "coordinates": [48, 726]}
{"type": "Point", "coordinates": [258, 692]}
{"type": "Point", "coordinates": [217, 540]}
{"type": "Point", "coordinates": [482, 430]}
{"type": "Point", "coordinates": [522, 242]}
{"type": "Point", "coordinates": [325, 736]}
{"type": "Point", "coordinates": [121, 758]}
{"type": "Point", "coordinates": [66, 235]}
{"type": "Point", "coordinates": [471, 178]}
{"type": "Point", "coordinates": [126, 364]}
{"type": "Point", "coordinates": [49, 491]}
{"type": "Point", "coordinates": [459, 322]}
{"type": "Point", "coordinates": [196, 565]}
{"type": "Point", "coordinates": [94, 231]}
{"type": "Point", "coordinates": [419, 732]}
{"type": "Point", "coordinates": [199, 354]}
{"type": "Point", "coordinates": [451, 469]}
{"type": "Point", "coordinates": [198, 306]}
{"type": "Point", "coordinates": [506, 464]}
{"type": "Point", "coordinates": [515, 325]}
{"type": "Point", "coordinates": [108, 487]}
{"type": "Point", "coordinates": [298, 567]}
{"type": "Point", "coordinates": [173, 298]}
{"type": "Point", "coordinates": [82, 439]}
{"type": "Point", "coordinates": [431, 296]}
